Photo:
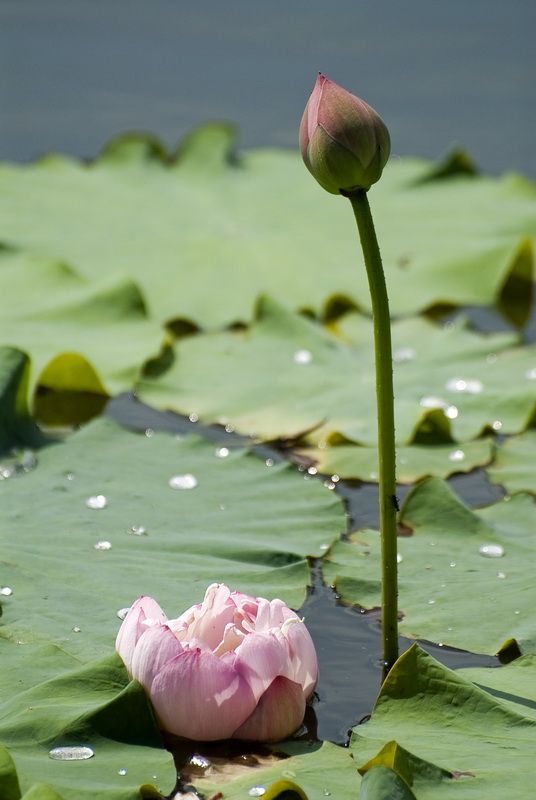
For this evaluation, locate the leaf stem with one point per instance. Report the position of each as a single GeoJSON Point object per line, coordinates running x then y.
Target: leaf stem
{"type": "Point", "coordinates": [386, 425]}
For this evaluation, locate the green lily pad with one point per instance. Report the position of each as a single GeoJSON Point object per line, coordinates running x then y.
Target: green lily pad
{"type": "Point", "coordinates": [92, 707]}
{"type": "Point", "coordinates": [210, 533]}
{"type": "Point", "coordinates": [319, 770]}
{"type": "Point", "coordinates": [513, 465]}
{"type": "Point", "coordinates": [258, 223]}
{"type": "Point", "coordinates": [448, 591]}
{"type": "Point", "coordinates": [453, 381]}
{"type": "Point", "coordinates": [442, 718]}
{"type": "Point", "coordinates": [413, 462]}
{"type": "Point", "coordinates": [17, 429]}
{"type": "Point", "coordinates": [50, 311]}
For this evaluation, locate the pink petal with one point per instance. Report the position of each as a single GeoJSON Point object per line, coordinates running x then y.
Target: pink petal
{"type": "Point", "coordinates": [207, 620]}
{"type": "Point", "coordinates": [145, 608]}
{"type": "Point", "coordinates": [302, 654]}
{"type": "Point", "coordinates": [278, 714]}
{"type": "Point", "coordinates": [198, 696]}
{"type": "Point", "coordinates": [260, 659]}
{"type": "Point", "coordinates": [154, 649]}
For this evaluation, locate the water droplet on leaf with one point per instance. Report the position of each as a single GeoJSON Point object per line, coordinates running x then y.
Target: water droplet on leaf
{"type": "Point", "coordinates": [6, 591]}
{"type": "Point", "coordinates": [303, 357]}
{"type": "Point", "coordinates": [97, 501]}
{"type": "Point", "coordinates": [256, 791]}
{"type": "Point", "coordinates": [187, 481]}
{"type": "Point", "coordinates": [73, 753]}
{"type": "Point", "coordinates": [222, 452]}
{"type": "Point", "coordinates": [457, 455]}
{"type": "Point", "coordinates": [404, 355]}
{"type": "Point", "coordinates": [469, 386]}
{"type": "Point", "coordinates": [103, 545]}
{"type": "Point", "coordinates": [491, 550]}
{"type": "Point", "coordinates": [137, 530]}
{"type": "Point", "coordinates": [121, 772]}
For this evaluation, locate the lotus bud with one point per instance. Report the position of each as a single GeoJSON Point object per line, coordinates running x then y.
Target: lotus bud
{"type": "Point", "coordinates": [344, 143]}
{"type": "Point", "coordinates": [231, 667]}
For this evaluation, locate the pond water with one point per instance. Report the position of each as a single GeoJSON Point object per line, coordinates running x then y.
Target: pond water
{"type": "Point", "coordinates": [75, 73]}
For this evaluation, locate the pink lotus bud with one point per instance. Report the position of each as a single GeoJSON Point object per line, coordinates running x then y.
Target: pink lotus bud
{"type": "Point", "coordinates": [344, 143]}
{"type": "Point", "coordinates": [232, 667]}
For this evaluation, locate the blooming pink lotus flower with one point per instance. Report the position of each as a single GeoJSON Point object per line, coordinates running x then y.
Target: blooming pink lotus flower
{"type": "Point", "coordinates": [344, 143]}
{"type": "Point", "coordinates": [232, 667]}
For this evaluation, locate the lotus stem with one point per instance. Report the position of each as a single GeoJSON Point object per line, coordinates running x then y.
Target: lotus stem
{"type": "Point", "coordinates": [386, 425]}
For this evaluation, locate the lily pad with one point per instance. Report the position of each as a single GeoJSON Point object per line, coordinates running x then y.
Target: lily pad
{"type": "Point", "coordinates": [50, 310]}
{"type": "Point", "coordinates": [442, 718]}
{"type": "Point", "coordinates": [212, 532]}
{"type": "Point", "coordinates": [450, 385]}
{"type": "Point", "coordinates": [258, 223]}
{"type": "Point", "coordinates": [96, 711]}
{"type": "Point", "coordinates": [449, 590]}
{"type": "Point", "coordinates": [513, 465]}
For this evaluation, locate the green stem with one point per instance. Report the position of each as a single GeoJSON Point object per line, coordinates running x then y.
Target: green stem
{"type": "Point", "coordinates": [386, 425]}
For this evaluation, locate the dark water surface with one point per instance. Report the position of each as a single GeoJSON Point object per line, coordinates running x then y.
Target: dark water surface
{"type": "Point", "coordinates": [76, 72]}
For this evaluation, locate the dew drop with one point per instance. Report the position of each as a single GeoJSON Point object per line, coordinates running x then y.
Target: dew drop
{"type": "Point", "coordinates": [330, 485]}
{"type": "Point", "coordinates": [6, 591]}
{"type": "Point", "coordinates": [187, 481]}
{"type": "Point", "coordinates": [399, 558]}
{"type": "Point", "coordinates": [497, 425]}
{"type": "Point", "coordinates": [326, 793]}
{"type": "Point", "coordinates": [457, 455]}
{"type": "Point", "coordinates": [256, 791]}
{"type": "Point", "coordinates": [530, 374]}
{"type": "Point", "coordinates": [501, 574]}
{"type": "Point", "coordinates": [77, 630]}
{"type": "Point", "coordinates": [452, 564]}
{"type": "Point", "coordinates": [517, 611]}
{"type": "Point", "coordinates": [229, 428]}
{"type": "Point", "coordinates": [470, 386]}
{"type": "Point", "coordinates": [222, 506]}
{"type": "Point", "coordinates": [97, 501]}
{"type": "Point", "coordinates": [451, 412]}
{"type": "Point", "coordinates": [137, 530]}
{"type": "Point", "coordinates": [491, 358]}
{"type": "Point", "coordinates": [123, 612]}
{"type": "Point", "coordinates": [121, 772]}
{"type": "Point", "coordinates": [324, 546]}
{"type": "Point", "coordinates": [404, 355]}
{"type": "Point", "coordinates": [491, 550]}
{"type": "Point", "coordinates": [193, 417]}
{"type": "Point", "coordinates": [103, 545]}
{"type": "Point", "coordinates": [448, 327]}
{"type": "Point", "coordinates": [269, 462]}
{"type": "Point", "coordinates": [431, 602]}
{"type": "Point", "coordinates": [335, 478]}
{"type": "Point", "coordinates": [149, 432]}
{"type": "Point", "coordinates": [199, 761]}
{"type": "Point", "coordinates": [73, 753]}
{"type": "Point", "coordinates": [70, 476]}
{"type": "Point", "coordinates": [222, 452]}
{"type": "Point", "coordinates": [312, 470]}
{"type": "Point", "coordinates": [303, 357]}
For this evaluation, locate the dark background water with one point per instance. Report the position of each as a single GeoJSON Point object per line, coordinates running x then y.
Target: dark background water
{"type": "Point", "coordinates": [76, 72]}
